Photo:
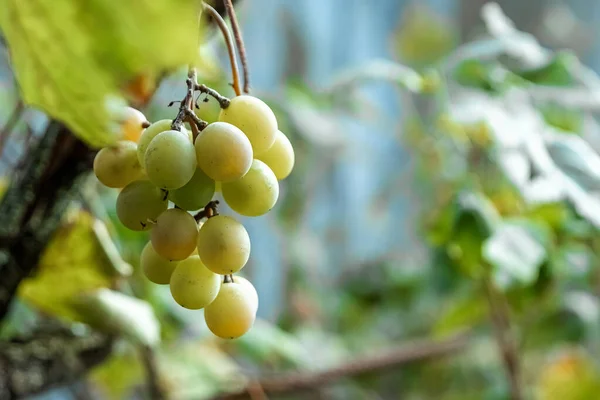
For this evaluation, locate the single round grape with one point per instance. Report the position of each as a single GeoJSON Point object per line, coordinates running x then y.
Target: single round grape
{"type": "Point", "coordinates": [132, 121]}
{"type": "Point", "coordinates": [174, 235]}
{"type": "Point", "coordinates": [194, 286]}
{"type": "Point", "coordinates": [232, 313]}
{"type": "Point", "coordinates": [156, 268]}
{"type": "Point", "coordinates": [208, 110]}
{"type": "Point", "coordinates": [139, 202]}
{"type": "Point", "coordinates": [117, 166]}
{"type": "Point", "coordinates": [280, 157]}
{"type": "Point", "coordinates": [255, 193]}
{"type": "Point", "coordinates": [170, 160]}
{"type": "Point", "coordinates": [254, 118]}
{"type": "Point", "coordinates": [151, 132]}
{"type": "Point", "coordinates": [252, 293]}
{"type": "Point", "coordinates": [223, 152]}
{"type": "Point", "coordinates": [195, 194]}
{"type": "Point", "coordinates": [223, 245]}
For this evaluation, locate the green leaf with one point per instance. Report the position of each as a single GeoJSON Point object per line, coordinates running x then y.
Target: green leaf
{"type": "Point", "coordinates": [460, 314]}
{"type": "Point", "coordinates": [195, 370]}
{"type": "Point", "coordinates": [266, 342]}
{"type": "Point", "coordinates": [557, 72]}
{"type": "Point", "coordinates": [118, 376]}
{"type": "Point", "coordinates": [72, 56]}
{"type": "Point", "coordinates": [74, 262]}
{"type": "Point", "coordinates": [517, 250]}
{"type": "Point", "coordinates": [117, 313]}
{"type": "Point", "coordinates": [476, 220]}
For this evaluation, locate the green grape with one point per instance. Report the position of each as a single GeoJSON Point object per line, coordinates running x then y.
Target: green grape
{"type": "Point", "coordinates": [174, 235]}
{"type": "Point", "coordinates": [208, 110]}
{"type": "Point", "coordinates": [156, 268]}
{"type": "Point", "coordinates": [223, 245]}
{"type": "Point", "coordinates": [254, 118]}
{"type": "Point", "coordinates": [117, 166]}
{"type": "Point", "coordinates": [223, 152]}
{"type": "Point", "coordinates": [170, 160]}
{"type": "Point", "coordinates": [255, 193]}
{"type": "Point", "coordinates": [194, 286]}
{"type": "Point", "coordinates": [151, 132]}
{"type": "Point", "coordinates": [195, 194]}
{"type": "Point", "coordinates": [232, 313]}
{"type": "Point", "coordinates": [280, 157]}
{"type": "Point", "coordinates": [131, 123]}
{"type": "Point", "coordinates": [139, 202]}
{"type": "Point", "coordinates": [252, 293]}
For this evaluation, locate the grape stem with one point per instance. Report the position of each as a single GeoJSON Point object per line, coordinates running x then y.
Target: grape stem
{"type": "Point", "coordinates": [228, 278]}
{"type": "Point", "coordinates": [229, 42]}
{"type": "Point", "coordinates": [223, 101]}
{"type": "Point", "coordinates": [239, 42]}
{"type": "Point", "coordinates": [209, 210]}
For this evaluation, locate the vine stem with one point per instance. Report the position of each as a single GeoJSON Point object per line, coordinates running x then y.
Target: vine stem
{"type": "Point", "coordinates": [11, 122]}
{"type": "Point", "coordinates": [239, 41]}
{"type": "Point", "coordinates": [230, 47]}
{"type": "Point", "coordinates": [499, 314]}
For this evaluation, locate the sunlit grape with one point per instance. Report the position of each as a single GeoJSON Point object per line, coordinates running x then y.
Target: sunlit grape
{"type": "Point", "coordinates": [156, 268]}
{"type": "Point", "coordinates": [132, 121]}
{"type": "Point", "coordinates": [174, 235]}
{"type": "Point", "coordinates": [252, 293]}
{"type": "Point", "coordinates": [151, 132]}
{"type": "Point", "coordinates": [139, 202]}
{"type": "Point", "coordinates": [254, 118]}
{"type": "Point", "coordinates": [232, 313]}
{"type": "Point", "coordinates": [223, 245]}
{"type": "Point", "coordinates": [223, 152]}
{"type": "Point", "coordinates": [117, 166]}
{"type": "Point", "coordinates": [195, 194]}
{"type": "Point", "coordinates": [192, 285]}
{"type": "Point", "coordinates": [170, 160]}
{"type": "Point", "coordinates": [255, 193]}
{"type": "Point", "coordinates": [279, 157]}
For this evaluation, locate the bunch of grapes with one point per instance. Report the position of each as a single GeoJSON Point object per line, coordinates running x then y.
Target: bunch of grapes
{"type": "Point", "coordinates": [168, 179]}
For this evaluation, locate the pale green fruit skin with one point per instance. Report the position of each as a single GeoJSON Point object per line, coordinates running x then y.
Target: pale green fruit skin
{"type": "Point", "coordinates": [174, 235]}
{"type": "Point", "coordinates": [138, 202]}
{"type": "Point", "coordinates": [193, 286]}
{"type": "Point", "coordinates": [131, 124]}
{"type": "Point", "coordinates": [195, 194]}
{"type": "Point", "coordinates": [232, 313]}
{"type": "Point", "coordinates": [255, 193]}
{"type": "Point", "coordinates": [170, 160]}
{"type": "Point", "coordinates": [280, 157]}
{"type": "Point", "coordinates": [208, 110]}
{"type": "Point", "coordinates": [223, 152]}
{"type": "Point", "coordinates": [155, 268]}
{"type": "Point", "coordinates": [255, 118]}
{"type": "Point", "coordinates": [250, 289]}
{"type": "Point", "coordinates": [223, 245]}
{"type": "Point", "coordinates": [150, 133]}
{"type": "Point", "coordinates": [117, 166]}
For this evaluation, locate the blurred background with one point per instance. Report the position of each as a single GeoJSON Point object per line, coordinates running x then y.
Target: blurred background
{"type": "Point", "coordinates": [437, 238]}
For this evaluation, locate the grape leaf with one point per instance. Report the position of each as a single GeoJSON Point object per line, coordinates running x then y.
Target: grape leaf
{"type": "Point", "coordinates": [73, 262]}
{"type": "Point", "coordinates": [71, 57]}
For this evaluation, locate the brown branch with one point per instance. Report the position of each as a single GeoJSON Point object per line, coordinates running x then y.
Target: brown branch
{"type": "Point", "coordinates": [499, 315]}
{"type": "Point", "coordinates": [230, 47]}
{"type": "Point", "coordinates": [155, 390]}
{"type": "Point", "coordinates": [239, 41]}
{"type": "Point", "coordinates": [10, 123]}
{"type": "Point", "coordinates": [388, 359]}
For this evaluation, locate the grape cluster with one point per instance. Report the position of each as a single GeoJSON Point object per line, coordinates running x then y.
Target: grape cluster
{"type": "Point", "coordinates": [196, 254]}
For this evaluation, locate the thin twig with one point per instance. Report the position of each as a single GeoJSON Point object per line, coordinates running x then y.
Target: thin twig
{"type": "Point", "coordinates": [506, 343]}
{"type": "Point", "coordinates": [230, 47]}
{"type": "Point", "coordinates": [155, 390]}
{"type": "Point", "coordinates": [208, 211]}
{"type": "Point", "coordinates": [239, 41]}
{"type": "Point", "coordinates": [389, 358]}
{"type": "Point", "coordinates": [11, 122]}
{"type": "Point", "coordinates": [222, 100]}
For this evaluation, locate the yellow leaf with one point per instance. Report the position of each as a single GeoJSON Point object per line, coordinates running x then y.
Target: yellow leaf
{"type": "Point", "coordinates": [71, 56]}
{"type": "Point", "coordinates": [74, 262]}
